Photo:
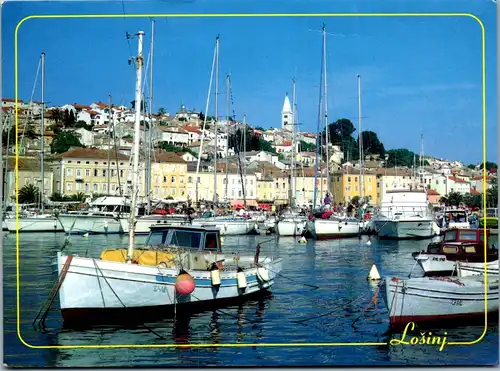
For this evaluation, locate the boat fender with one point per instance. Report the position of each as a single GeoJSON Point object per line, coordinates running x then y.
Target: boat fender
{"type": "Point", "coordinates": [184, 284]}
{"type": "Point", "coordinates": [263, 274]}
{"type": "Point", "coordinates": [241, 278]}
{"type": "Point", "coordinates": [215, 275]}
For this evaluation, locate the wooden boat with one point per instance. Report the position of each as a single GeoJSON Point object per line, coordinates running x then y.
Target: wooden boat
{"type": "Point", "coordinates": [107, 288]}
{"type": "Point", "coordinates": [429, 299]}
{"type": "Point", "coordinates": [466, 245]}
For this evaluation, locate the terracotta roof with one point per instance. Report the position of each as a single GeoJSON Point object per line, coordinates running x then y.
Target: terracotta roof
{"type": "Point", "coordinates": [192, 129]}
{"type": "Point", "coordinates": [480, 177]}
{"type": "Point", "coordinates": [172, 157]}
{"type": "Point", "coordinates": [286, 143]}
{"type": "Point", "coordinates": [11, 100]}
{"type": "Point", "coordinates": [25, 164]}
{"type": "Point", "coordinates": [431, 192]}
{"type": "Point", "coordinates": [456, 180]}
{"type": "Point", "coordinates": [90, 153]}
{"type": "Point", "coordinates": [81, 106]}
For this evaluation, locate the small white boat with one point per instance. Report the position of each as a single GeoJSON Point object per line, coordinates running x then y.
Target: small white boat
{"type": "Point", "coordinates": [291, 226]}
{"type": "Point", "coordinates": [103, 289]}
{"type": "Point", "coordinates": [334, 227]}
{"type": "Point", "coordinates": [465, 245]}
{"type": "Point", "coordinates": [36, 223]}
{"type": "Point", "coordinates": [466, 269]}
{"type": "Point", "coordinates": [429, 299]}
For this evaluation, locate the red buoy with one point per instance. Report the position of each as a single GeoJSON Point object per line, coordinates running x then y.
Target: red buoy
{"type": "Point", "coordinates": [184, 284]}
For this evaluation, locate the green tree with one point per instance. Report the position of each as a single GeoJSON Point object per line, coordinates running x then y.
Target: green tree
{"type": "Point", "coordinates": [83, 124]}
{"type": "Point", "coordinates": [453, 199]}
{"type": "Point", "coordinates": [161, 111]}
{"type": "Point", "coordinates": [58, 197]}
{"type": "Point", "coordinates": [371, 144]}
{"type": "Point", "coordinates": [489, 165]}
{"type": "Point", "coordinates": [183, 119]}
{"type": "Point", "coordinates": [264, 145]}
{"type": "Point", "coordinates": [144, 105]}
{"type": "Point", "coordinates": [403, 157]}
{"type": "Point", "coordinates": [80, 197]}
{"type": "Point", "coordinates": [492, 194]}
{"type": "Point", "coordinates": [260, 128]}
{"type": "Point", "coordinates": [64, 140]}
{"type": "Point", "coordinates": [472, 200]}
{"type": "Point", "coordinates": [471, 166]}
{"type": "Point", "coordinates": [340, 134]}
{"type": "Point", "coordinates": [306, 147]}
{"type": "Point", "coordinates": [29, 194]}
{"type": "Point", "coordinates": [57, 115]}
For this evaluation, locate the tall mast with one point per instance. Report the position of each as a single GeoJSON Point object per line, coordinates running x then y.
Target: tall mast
{"type": "Point", "coordinates": [42, 147]}
{"type": "Point", "coordinates": [150, 137]}
{"type": "Point", "coordinates": [110, 117]}
{"type": "Point", "coordinates": [228, 108]}
{"type": "Point", "coordinates": [244, 175]}
{"type": "Point", "coordinates": [421, 158]}
{"type": "Point", "coordinates": [327, 139]}
{"type": "Point", "coordinates": [216, 113]}
{"type": "Point", "coordinates": [360, 140]}
{"type": "Point", "coordinates": [292, 163]}
{"type": "Point", "coordinates": [137, 135]}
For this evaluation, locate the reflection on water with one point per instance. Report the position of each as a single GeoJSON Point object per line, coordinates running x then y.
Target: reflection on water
{"type": "Point", "coordinates": [295, 313]}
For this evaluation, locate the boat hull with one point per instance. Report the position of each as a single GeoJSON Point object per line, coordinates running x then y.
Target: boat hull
{"type": "Point", "coordinates": [50, 224]}
{"type": "Point", "coordinates": [143, 224]}
{"type": "Point", "coordinates": [228, 227]}
{"type": "Point", "coordinates": [96, 224]}
{"type": "Point", "coordinates": [291, 227]}
{"type": "Point", "coordinates": [402, 229]}
{"type": "Point", "coordinates": [465, 269]}
{"type": "Point", "coordinates": [326, 229]}
{"type": "Point", "coordinates": [435, 299]}
{"type": "Point", "coordinates": [440, 265]}
{"type": "Point", "coordinates": [95, 286]}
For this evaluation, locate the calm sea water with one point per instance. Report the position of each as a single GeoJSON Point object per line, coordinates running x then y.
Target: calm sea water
{"type": "Point", "coordinates": [338, 267]}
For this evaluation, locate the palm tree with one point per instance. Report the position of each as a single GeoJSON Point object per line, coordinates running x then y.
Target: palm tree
{"type": "Point", "coordinates": [58, 197]}
{"type": "Point", "coordinates": [29, 194]}
{"type": "Point", "coordinates": [80, 196]}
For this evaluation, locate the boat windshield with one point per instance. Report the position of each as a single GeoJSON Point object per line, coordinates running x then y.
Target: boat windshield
{"type": "Point", "coordinates": [491, 213]}
{"type": "Point", "coordinates": [175, 237]}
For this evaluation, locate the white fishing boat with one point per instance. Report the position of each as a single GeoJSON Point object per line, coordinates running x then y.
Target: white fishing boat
{"type": "Point", "coordinates": [465, 245]}
{"type": "Point", "coordinates": [35, 223]}
{"type": "Point", "coordinates": [429, 299]}
{"type": "Point", "coordinates": [181, 268]}
{"type": "Point", "coordinates": [104, 215]}
{"type": "Point", "coordinates": [466, 269]}
{"type": "Point", "coordinates": [454, 218]}
{"type": "Point", "coordinates": [291, 223]}
{"type": "Point", "coordinates": [404, 214]}
{"type": "Point", "coordinates": [228, 225]}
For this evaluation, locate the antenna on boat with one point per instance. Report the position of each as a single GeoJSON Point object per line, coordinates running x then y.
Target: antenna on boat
{"type": "Point", "coordinates": [137, 131]}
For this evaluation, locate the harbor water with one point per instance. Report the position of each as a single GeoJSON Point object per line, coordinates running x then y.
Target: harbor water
{"type": "Point", "coordinates": [296, 313]}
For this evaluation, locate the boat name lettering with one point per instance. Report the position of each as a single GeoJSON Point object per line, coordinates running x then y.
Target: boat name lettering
{"type": "Point", "coordinates": [456, 302]}
{"type": "Point", "coordinates": [159, 288]}
{"type": "Point", "coordinates": [424, 338]}
{"type": "Point", "coordinates": [439, 259]}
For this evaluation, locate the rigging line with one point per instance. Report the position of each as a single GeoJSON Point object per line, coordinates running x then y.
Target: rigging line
{"type": "Point", "coordinates": [124, 19]}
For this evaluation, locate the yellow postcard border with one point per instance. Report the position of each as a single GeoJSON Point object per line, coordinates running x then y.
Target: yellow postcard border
{"type": "Point", "coordinates": [256, 15]}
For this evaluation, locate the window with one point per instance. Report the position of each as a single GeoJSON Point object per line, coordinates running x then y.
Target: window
{"type": "Point", "coordinates": [78, 186]}
{"type": "Point", "coordinates": [190, 179]}
{"type": "Point", "coordinates": [69, 186]}
{"type": "Point", "coordinates": [121, 173]}
{"type": "Point", "coordinates": [173, 191]}
{"type": "Point", "coordinates": [104, 187]}
{"type": "Point", "coordinates": [113, 187]}
{"type": "Point", "coordinates": [87, 172]}
{"type": "Point", "coordinates": [78, 172]}
{"type": "Point", "coordinates": [355, 178]}
{"type": "Point", "coordinates": [172, 179]}
{"type": "Point", "coordinates": [239, 193]}
{"type": "Point", "coordinates": [87, 187]}
{"type": "Point", "coordinates": [182, 180]}
{"type": "Point", "coordinates": [164, 179]}
{"type": "Point", "coordinates": [349, 179]}
{"type": "Point", "coordinates": [199, 180]}
{"type": "Point", "coordinates": [104, 172]}
{"type": "Point", "coordinates": [69, 171]}
{"type": "Point", "coordinates": [113, 172]}
{"type": "Point", "coordinates": [96, 172]}
{"type": "Point", "coordinates": [96, 186]}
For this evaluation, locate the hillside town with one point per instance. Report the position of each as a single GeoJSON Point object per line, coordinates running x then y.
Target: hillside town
{"type": "Point", "coordinates": [87, 151]}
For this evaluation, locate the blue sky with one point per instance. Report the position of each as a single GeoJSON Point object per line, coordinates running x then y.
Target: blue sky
{"type": "Point", "coordinates": [419, 74]}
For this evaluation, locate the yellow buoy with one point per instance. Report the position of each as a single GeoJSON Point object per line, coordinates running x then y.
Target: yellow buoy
{"type": "Point", "coordinates": [303, 240]}
{"type": "Point", "coordinates": [373, 275]}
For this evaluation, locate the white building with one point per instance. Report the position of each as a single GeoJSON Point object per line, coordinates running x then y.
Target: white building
{"type": "Point", "coordinates": [287, 115]}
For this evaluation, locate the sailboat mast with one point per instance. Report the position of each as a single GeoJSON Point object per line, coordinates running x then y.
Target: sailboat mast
{"type": "Point", "coordinates": [42, 147]}
{"type": "Point", "coordinates": [360, 140]}
{"type": "Point", "coordinates": [137, 132]}
{"type": "Point", "coordinates": [216, 113]}
{"type": "Point", "coordinates": [110, 117]}
{"type": "Point", "coordinates": [292, 163]}
{"type": "Point", "coordinates": [228, 108]}
{"type": "Point", "coordinates": [421, 158]}
{"type": "Point", "coordinates": [327, 139]}
{"type": "Point", "coordinates": [244, 175]}
{"type": "Point", "coordinates": [150, 136]}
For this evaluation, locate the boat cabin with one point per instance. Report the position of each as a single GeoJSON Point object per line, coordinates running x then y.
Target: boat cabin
{"type": "Point", "coordinates": [465, 235]}
{"type": "Point", "coordinates": [186, 236]}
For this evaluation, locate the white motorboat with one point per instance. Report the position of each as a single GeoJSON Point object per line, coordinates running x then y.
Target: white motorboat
{"type": "Point", "coordinates": [143, 223]}
{"type": "Point", "coordinates": [404, 214]}
{"type": "Point", "coordinates": [333, 227]}
{"type": "Point", "coordinates": [429, 299]}
{"type": "Point", "coordinates": [466, 269]}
